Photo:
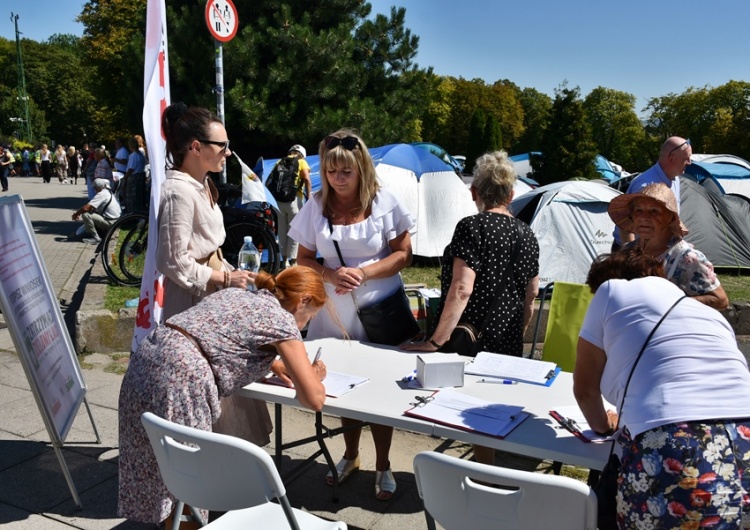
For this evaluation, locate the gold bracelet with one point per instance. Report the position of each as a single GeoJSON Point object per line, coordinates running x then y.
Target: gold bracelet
{"type": "Point", "coordinates": [226, 279]}
{"type": "Point", "coordinates": [364, 280]}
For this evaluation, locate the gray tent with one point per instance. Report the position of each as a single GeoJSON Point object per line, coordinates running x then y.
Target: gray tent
{"type": "Point", "coordinates": [719, 224]}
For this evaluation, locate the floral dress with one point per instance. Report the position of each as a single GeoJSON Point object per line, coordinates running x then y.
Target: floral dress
{"type": "Point", "coordinates": [170, 377]}
{"type": "Point", "coordinates": [485, 242]}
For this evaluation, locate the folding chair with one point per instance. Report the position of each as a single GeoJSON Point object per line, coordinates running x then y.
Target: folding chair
{"type": "Point", "coordinates": [516, 500]}
{"type": "Point", "coordinates": [567, 309]}
{"type": "Point", "coordinates": [222, 473]}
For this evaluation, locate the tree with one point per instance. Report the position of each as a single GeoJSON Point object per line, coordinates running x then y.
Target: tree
{"type": "Point", "coordinates": [567, 148]}
{"type": "Point", "coordinates": [616, 130]}
{"type": "Point", "coordinates": [536, 110]}
{"type": "Point", "coordinates": [476, 147]}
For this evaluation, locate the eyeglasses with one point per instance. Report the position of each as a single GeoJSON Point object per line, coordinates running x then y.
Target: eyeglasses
{"type": "Point", "coordinates": [347, 142]}
{"type": "Point", "coordinates": [224, 145]}
{"type": "Point", "coordinates": [683, 144]}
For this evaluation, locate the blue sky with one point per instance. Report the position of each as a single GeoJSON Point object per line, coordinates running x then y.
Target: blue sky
{"type": "Point", "coordinates": [648, 48]}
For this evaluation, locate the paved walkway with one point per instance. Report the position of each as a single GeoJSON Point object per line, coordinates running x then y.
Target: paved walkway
{"type": "Point", "coordinates": [33, 491]}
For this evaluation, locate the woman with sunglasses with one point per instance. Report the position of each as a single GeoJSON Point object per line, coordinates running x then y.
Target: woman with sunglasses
{"type": "Point", "coordinates": [371, 230]}
{"type": "Point", "coordinates": [191, 230]}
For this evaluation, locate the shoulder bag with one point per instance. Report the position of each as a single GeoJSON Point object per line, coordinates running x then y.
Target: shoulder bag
{"type": "Point", "coordinates": [606, 487]}
{"type": "Point", "coordinates": [389, 321]}
{"type": "Point", "coordinates": [465, 338]}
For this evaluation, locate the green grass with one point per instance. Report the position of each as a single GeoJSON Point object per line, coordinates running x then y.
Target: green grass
{"type": "Point", "coordinates": [117, 295]}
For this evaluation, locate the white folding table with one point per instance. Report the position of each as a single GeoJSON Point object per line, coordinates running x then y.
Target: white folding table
{"type": "Point", "coordinates": [385, 397]}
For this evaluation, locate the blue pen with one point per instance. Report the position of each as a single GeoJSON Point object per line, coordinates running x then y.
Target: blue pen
{"type": "Point", "coordinates": [498, 381]}
{"type": "Point", "coordinates": [409, 377]}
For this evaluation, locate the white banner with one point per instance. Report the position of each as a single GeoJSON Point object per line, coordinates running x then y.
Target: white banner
{"type": "Point", "coordinates": [155, 99]}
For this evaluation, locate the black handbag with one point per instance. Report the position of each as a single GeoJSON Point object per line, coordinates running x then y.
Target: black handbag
{"type": "Point", "coordinates": [606, 487]}
{"type": "Point", "coordinates": [389, 321]}
{"type": "Point", "coordinates": [464, 340]}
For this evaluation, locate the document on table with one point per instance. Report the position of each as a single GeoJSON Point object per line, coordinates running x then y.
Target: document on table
{"type": "Point", "coordinates": [336, 383]}
{"type": "Point", "coordinates": [468, 413]}
{"type": "Point", "coordinates": [573, 420]}
{"type": "Point", "coordinates": [517, 368]}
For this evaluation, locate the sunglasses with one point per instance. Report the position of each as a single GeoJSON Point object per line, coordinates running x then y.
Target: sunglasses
{"type": "Point", "coordinates": [683, 144]}
{"type": "Point", "coordinates": [224, 145]}
{"type": "Point", "coordinates": [348, 142]}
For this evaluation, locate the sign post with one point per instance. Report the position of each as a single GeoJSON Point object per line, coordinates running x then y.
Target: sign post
{"type": "Point", "coordinates": [221, 19]}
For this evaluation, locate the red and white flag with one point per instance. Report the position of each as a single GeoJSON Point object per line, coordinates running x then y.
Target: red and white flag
{"type": "Point", "coordinates": [155, 99]}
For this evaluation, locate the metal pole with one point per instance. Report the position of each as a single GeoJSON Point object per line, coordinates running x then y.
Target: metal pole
{"type": "Point", "coordinates": [219, 89]}
{"type": "Point", "coordinates": [22, 95]}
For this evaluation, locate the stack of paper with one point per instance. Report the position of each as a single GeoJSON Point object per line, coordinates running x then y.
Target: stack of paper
{"type": "Point", "coordinates": [573, 420]}
{"type": "Point", "coordinates": [336, 383]}
{"type": "Point", "coordinates": [516, 368]}
{"type": "Point", "coordinates": [469, 413]}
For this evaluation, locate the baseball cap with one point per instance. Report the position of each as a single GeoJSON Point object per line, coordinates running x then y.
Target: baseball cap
{"type": "Point", "coordinates": [299, 149]}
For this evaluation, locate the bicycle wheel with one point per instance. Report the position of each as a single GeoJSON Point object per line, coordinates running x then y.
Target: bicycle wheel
{"type": "Point", "coordinates": [133, 251]}
{"type": "Point", "coordinates": [112, 245]}
{"type": "Point", "coordinates": [263, 238]}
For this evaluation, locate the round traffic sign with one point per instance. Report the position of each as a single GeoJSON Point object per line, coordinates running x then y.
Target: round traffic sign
{"type": "Point", "coordinates": [221, 19]}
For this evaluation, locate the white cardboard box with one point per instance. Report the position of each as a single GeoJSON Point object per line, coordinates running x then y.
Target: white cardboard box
{"type": "Point", "coordinates": [439, 370]}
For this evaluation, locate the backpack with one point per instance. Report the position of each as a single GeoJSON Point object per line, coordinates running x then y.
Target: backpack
{"type": "Point", "coordinates": [281, 181]}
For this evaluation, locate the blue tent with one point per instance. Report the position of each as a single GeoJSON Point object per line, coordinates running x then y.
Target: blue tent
{"type": "Point", "coordinates": [730, 178]}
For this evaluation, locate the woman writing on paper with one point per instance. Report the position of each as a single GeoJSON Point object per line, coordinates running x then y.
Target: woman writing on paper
{"type": "Point", "coordinates": [191, 230]}
{"type": "Point", "coordinates": [686, 412]}
{"type": "Point", "coordinates": [371, 229]}
{"type": "Point", "coordinates": [490, 273]}
{"type": "Point", "coordinates": [182, 368]}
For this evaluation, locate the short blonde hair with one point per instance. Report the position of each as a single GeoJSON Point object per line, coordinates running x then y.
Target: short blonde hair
{"type": "Point", "coordinates": [340, 157]}
{"type": "Point", "coordinates": [494, 179]}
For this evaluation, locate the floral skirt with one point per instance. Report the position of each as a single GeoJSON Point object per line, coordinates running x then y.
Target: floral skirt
{"type": "Point", "coordinates": [686, 475]}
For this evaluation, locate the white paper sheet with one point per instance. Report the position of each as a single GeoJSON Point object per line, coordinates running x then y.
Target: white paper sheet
{"type": "Point", "coordinates": [469, 413]}
{"type": "Point", "coordinates": [336, 383]}
{"type": "Point", "coordinates": [574, 414]}
{"type": "Point", "coordinates": [508, 367]}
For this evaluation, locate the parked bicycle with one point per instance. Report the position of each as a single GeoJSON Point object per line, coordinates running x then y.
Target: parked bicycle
{"type": "Point", "coordinates": [125, 245]}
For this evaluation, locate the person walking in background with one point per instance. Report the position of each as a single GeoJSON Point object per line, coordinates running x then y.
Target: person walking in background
{"type": "Point", "coordinates": [352, 216]}
{"type": "Point", "coordinates": [134, 180]}
{"type": "Point", "coordinates": [490, 273]}
{"type": "Point", "coordinates": [5, 164]}
{"type": "Point", "coordinates": [103, 170]}
{"type": "Point", "coordinates": [288, 178]}
{"type": "Point", "coordinates": [651, 214]}
{"type": "Point", "coordinates": [240, 333]}
{"type": "Point", "coordinates": [61, 164]}
{"type": "Point", "coordinates": [74, 168]}
{"type": "Point", "coordinates": [34, 162]}
{"type": "Point", "coordinates": [100, 213]}
{"type": "Point", "coordinates": [674, 157]}
{"type": "Point", "coordinates": [191, 232]}
{"type": "Point", "coordinates": [89, 172]}
{"type": "Point", "coordinates": [45, 158]}
{"type": "Point", "coordinates": [685, 420]}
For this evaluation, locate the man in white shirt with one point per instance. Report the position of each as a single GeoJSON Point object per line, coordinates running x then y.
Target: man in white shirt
{"type": "Point", "coordinates": [99, 214]}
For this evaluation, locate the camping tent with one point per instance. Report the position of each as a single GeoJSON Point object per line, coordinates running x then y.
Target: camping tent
{"type": "Point", "coordinates": [429, 187]}
{"type": "Point", "coordinates": [571, 223]}
{"type": "Point", "coordinates": [719, 224]}
{"type": "Point", "coordinates": [732, 173]}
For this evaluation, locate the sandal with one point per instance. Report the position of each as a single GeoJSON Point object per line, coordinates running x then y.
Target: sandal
{"type": "Point", "coordinates": [344, 469]}
{"type": "Point", "coordinates": [385, 485]}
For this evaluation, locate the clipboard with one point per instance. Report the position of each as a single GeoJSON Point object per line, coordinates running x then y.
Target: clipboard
{"type": "Point", "coordinates": [498, 366]}
{"type": "Point", "coordinates": [580, 429]}
{"type": "Point", "coordinates": [468, 413]}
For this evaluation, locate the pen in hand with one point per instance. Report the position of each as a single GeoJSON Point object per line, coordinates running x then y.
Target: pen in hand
{"type": "Point", "coordinates": [317, 355]}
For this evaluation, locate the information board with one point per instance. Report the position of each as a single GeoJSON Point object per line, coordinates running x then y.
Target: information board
{"type": "Point", "coordinates": [36, 324]}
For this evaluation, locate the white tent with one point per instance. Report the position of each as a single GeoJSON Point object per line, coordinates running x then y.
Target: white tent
{"type": "Point", "coordinates": [438, 200]}
{"type": "Point", "coordinates": [572, 226]}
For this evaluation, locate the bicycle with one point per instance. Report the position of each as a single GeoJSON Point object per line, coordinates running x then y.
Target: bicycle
{"type": "Point", "coordinates": [125, 245]}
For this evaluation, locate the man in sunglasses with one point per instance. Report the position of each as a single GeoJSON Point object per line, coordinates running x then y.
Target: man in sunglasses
{"type": "Point", "coordinates": [674, 157]}
{"type": "Point", "coordinates": [292, 186]}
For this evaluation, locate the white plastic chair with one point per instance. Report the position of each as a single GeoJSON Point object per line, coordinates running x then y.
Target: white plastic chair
{"type": "Point", "coordinates": [453, 498]}
{"type": "Point", "coordinates": [223, 473]}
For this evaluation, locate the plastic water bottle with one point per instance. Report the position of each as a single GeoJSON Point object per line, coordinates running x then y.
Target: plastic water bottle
{"type": "Point", "coordinates": [249, 259]}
